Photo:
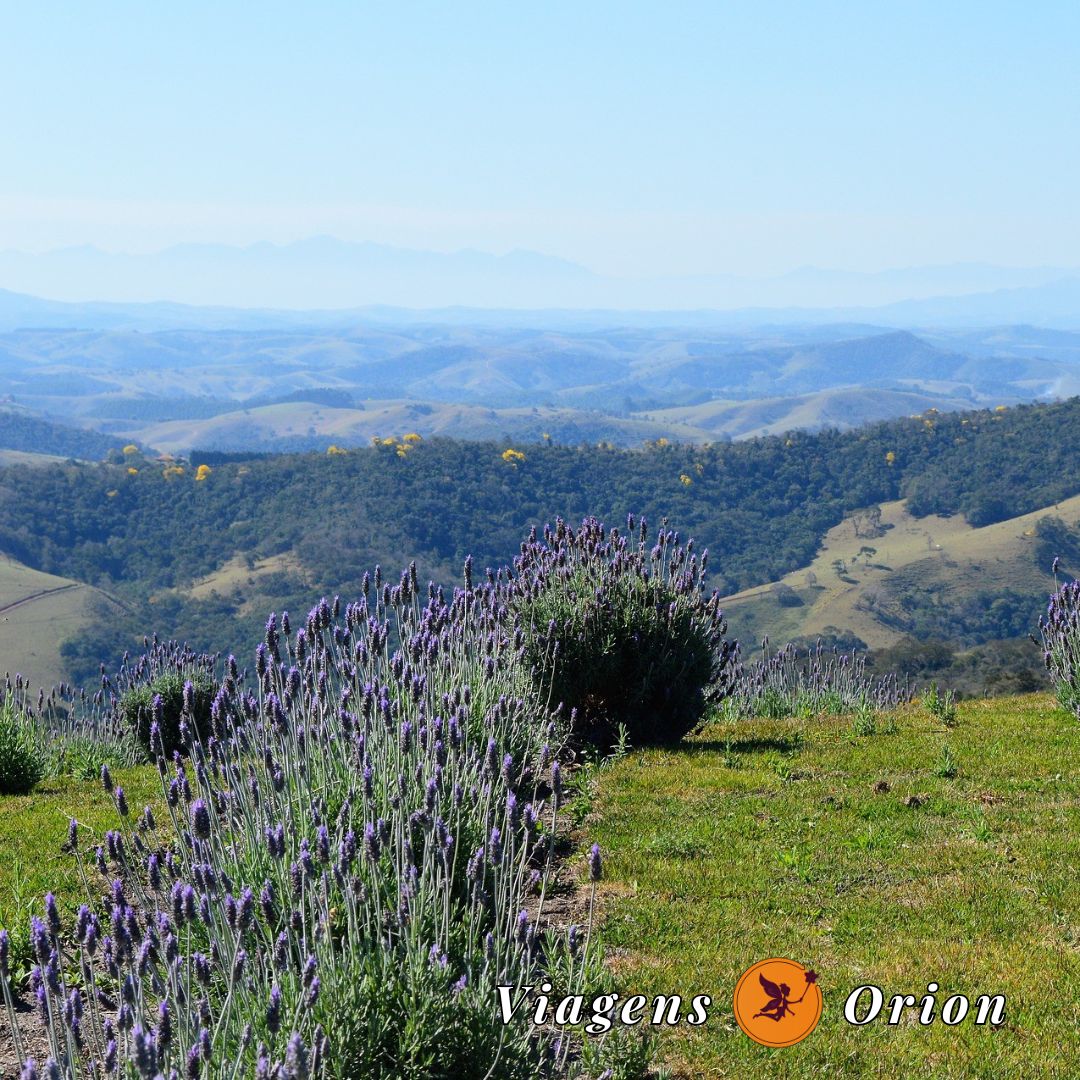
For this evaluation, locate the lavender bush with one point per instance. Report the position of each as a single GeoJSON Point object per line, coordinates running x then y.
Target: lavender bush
{"type": "Point", "coordinates": [621, 633]}
{"type": "Point", "coordinates": [158, 696]}
{"type": "Point", "coordinates": [69, 735]}
{"type": "Point", "coordinates": [791, 682]}
{"type": "Point", "coordinates": [348, 863]}
{"type": "Point", "coordinates": [1060, 630]}
{"type": "Point", "coordinates": [22, 764]}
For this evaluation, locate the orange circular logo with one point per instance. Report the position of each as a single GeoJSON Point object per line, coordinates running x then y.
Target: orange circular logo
{"type": "Point", "coordinates": [778, 1002]}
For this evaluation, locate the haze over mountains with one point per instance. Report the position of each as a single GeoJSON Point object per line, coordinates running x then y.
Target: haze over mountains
{"type": "Point", "coordinates": [298, 346]}
{"type": "Point", "coordinates": [323, 273]}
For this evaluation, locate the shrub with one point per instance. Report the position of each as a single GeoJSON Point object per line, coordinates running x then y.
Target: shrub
{"type": "Point", "coordinates": [347, 869]}
{"type": "Point", "coordinates": [622, 634]}
{"type": "Point", "coordinates": [136, 707]}
{"type": "Point", "coordinates": [786, 596]}
{"type": "Point", "coordinates": [21, 764]}
{"type": "Point", "coordinates": [1060, 629]}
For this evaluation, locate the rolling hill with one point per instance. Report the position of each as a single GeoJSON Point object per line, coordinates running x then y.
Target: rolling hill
{"type": "Point", "coordinates": [23, 432]}
{"type": "Point", "coordinates": [296, 426]}
{"type": "Point", "coordinates": [200, 553]}
{"type": "Point", "coordinates": [222, 388]}
{"type": "Point", "coordinates": [840, 409]}
{"type": "Point", "coordinates": [38, 613]}
{"type": "Point", "coordinates": [881, 572]}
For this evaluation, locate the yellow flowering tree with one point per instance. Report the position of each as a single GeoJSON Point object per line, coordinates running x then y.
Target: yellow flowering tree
{"type": "Point", "coordinates": [202, 472]}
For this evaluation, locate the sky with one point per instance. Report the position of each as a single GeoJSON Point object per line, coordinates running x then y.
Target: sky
{"type": "Point", "coordinates": [635, 138]}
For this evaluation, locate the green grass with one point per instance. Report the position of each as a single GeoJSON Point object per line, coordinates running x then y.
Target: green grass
{"type": "Point", "coordinates": [33, 828]}
{"type": "Point", "coordinates": [767, 838]}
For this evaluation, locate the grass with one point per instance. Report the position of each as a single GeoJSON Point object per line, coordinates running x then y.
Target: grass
{"type": "Point", "coordinates": [895, 859]}
{"type": "Point", "coordinates": [33, 829]}
{"type": "Point", "coordinates": [37, 612]}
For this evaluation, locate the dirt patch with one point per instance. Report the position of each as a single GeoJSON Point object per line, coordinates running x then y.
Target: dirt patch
{"type": "Point", "coordinates": [35, 1042]}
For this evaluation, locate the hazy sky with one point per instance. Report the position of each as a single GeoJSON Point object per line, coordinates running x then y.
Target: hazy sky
{"type": "Point", "coordinates": [635, 138]}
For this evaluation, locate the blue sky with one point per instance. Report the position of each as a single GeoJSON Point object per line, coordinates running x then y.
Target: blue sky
{"type": "Point", "coordinates": [634, 138]}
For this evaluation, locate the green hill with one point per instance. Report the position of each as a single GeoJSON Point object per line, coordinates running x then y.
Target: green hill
{"type": "Point", "coordinates": [289, 527]}
{"type": "Point", "coordinates": [38, 614]}
{"type": "Point", "coordinates": [883, 575]}
{"type": "Point", "coordinates": [21, 430]}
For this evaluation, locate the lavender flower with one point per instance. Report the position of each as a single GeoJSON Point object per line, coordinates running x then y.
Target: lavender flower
{"type": "Point", "coordinates": [595, 864]}
{"type": "Point", "coordinates": [273, 1011]}
{"type": "Point", "coordinates": [296, 1059]}
{"type": "Point", "coordinates": [200, 819]}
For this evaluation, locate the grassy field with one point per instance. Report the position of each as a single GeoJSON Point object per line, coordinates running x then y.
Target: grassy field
{"type": "Point", "coordinates": [23, 457]}
{"type": "Point", "coordinates": [844, 407]}
{"type": "Point", "coordinates": [33, 828]}
{"type": "Point", "coordinates": [945, 554]}
{"type": "Point", "coordinates": [37, 613]}
{"type": "Point", "coordinates": [873, 859]}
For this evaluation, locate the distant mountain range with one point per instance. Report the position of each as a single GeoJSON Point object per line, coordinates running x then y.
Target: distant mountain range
{"type": "Point", "coordinates": [323, 281]}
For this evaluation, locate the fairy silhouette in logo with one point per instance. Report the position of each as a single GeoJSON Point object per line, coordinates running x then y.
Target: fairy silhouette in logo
{"type": "Point", "coordinates": [779, 1003]}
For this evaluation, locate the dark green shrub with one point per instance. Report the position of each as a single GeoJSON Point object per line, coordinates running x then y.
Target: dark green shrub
{"type": "Point", "coordinates": [21, 764]}
{"type": "Point", "coordinates": [622, 634]}
{"type": "Point", "coordinates": [136, 707]}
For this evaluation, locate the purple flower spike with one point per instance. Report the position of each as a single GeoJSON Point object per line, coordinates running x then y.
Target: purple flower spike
{"type": "Point", "coordinates": [51, 913]}
{"type": "Point", "coordinates": [39, 940]}
{"type": "Point", "coordinates": [273, 1011]}
{"type": "Point", "coordinates": [596, 869]}
{"type": "Point", "coordinates": [200, 819]}
{"type": "Point", "coordinates": [296, 1059]}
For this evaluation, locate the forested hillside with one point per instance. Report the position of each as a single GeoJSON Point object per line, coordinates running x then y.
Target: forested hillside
{"type": "Point", "coordinates": [149, 531]}
{"type": "Point", "coordinates": [22, 431]}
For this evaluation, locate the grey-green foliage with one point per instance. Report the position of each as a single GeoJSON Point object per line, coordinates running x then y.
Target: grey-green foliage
{"type": "Point", "coordinates": [620, 634]}
{"type": "Point", "coordinates": [22, 763]}
{"type": "Point", "coordinates": [136, 707]}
